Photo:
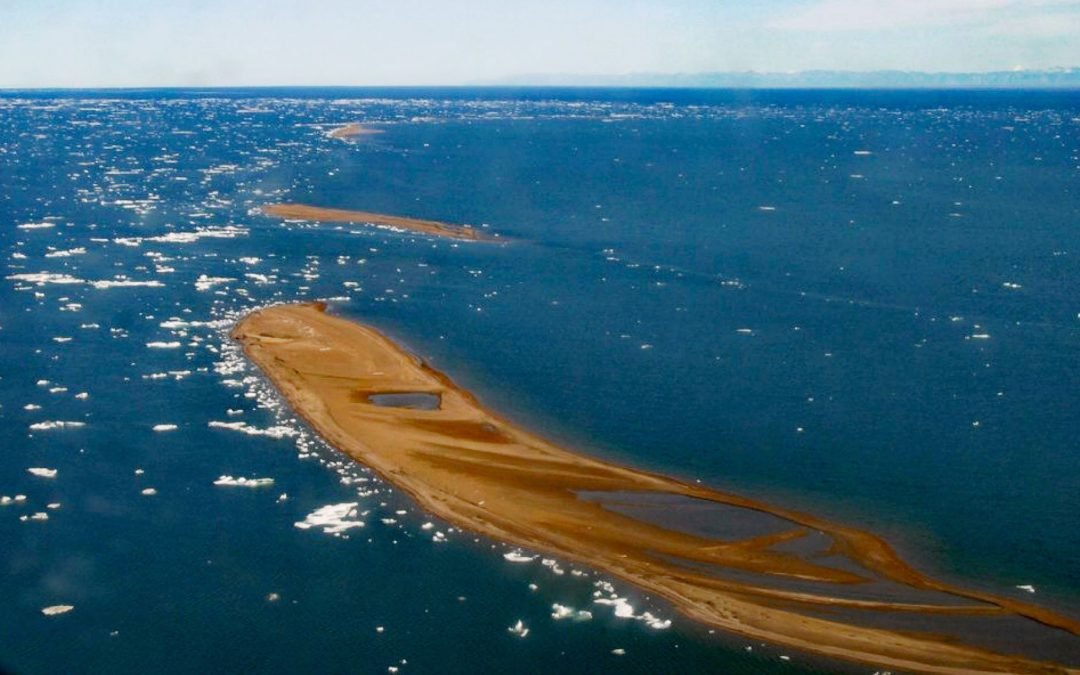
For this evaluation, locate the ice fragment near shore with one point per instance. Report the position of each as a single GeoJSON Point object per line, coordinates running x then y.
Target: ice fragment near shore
{"type": "Point", "coordinates": [243, 482]}
{"type": "Point", "coordinates": [333, 518]}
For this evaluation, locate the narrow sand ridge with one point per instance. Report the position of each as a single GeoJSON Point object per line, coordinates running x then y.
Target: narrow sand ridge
{"type": "Point", "coordinates": [809, 584]}
{"type": "Point", "coordinates": [352, 129]}
{"type": "Point", "coordinates": [433, 227]}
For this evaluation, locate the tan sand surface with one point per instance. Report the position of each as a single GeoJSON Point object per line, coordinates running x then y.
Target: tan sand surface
{"type": "Point", "coordinates": [482, 473]}
{"type": "Point", "coordinates": [432, 227]}
{"type": "Point", "coordinates": [352, 129]}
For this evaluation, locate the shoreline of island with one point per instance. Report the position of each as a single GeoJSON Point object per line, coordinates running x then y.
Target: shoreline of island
{"type": "Point", "coordinates": [294, 211]}
{"type": "Point", "coordinates": [480, 472]}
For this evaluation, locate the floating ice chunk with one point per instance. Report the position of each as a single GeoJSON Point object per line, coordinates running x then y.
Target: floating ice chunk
{"type": "Point", "coordinates": [41, 472]}
{"type": "Point", "coordinates": [67, 253]}
{"type": "Point", "coordinates": [516, 556]}
{"type": "Point", "coordinates": [863, 153]}
{"type": "Point", "coordinates": [40, 515]}
{"type": "Point", "coordinates": [273, 432]}
{"type": "Point", "coordinates": [654, 622]}
{"type": "Point", "coordinates": [766, 208]}
{"type": "Point", "coordinates": [57, 424]}
{"type": "Point", "coordinates": [560, 612]}
{"type": "Point", "coordinates": [53, 610]}
{"type": "Point", "coordinates": [36, 226]}
{"type": "Point", "coordinates": [243, 482]}
{"type": "Point", "coordinates": [31, 406]}
{"type": "Point", "coordinates": [126, 283]}
{"type": "Point", "coordinates": [618, 651]}
{"type": "Point", "coordinates": [1027, 587]}
{"type": "Point", "coordinates": [42, 278]}
{"type": "Point", "coordinates": [980, 336]}
{"type": "Point", "coordinates": [1012, 285]}
{"type": "Point", "coordinates": [82, 395]}
{"type": "Point", "coordinates": [519, 629]}
{"type": "Point", "coordinates": [332, 518]}
{"type": "Point", "coordinates": [205, 283]}
{"type": "Point", "coordinates": [623, 609]}
{"type": "Point", "coordinates": [165, 427]}
{"type": "Point", "coordinates": [163, 345]}
{"type": "Point", "coordinates": [149, 492]}
{"type": "Point", "coordinates": [227, 232]}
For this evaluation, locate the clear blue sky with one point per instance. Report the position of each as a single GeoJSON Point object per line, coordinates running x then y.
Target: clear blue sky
{"type": "Point", "coordinates": [368, 42]}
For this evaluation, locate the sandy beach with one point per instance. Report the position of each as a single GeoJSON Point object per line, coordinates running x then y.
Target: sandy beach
{"type": "Point", "coordinates": [431, 227]}
{"type": "Point", "coordinates": [786, 577]}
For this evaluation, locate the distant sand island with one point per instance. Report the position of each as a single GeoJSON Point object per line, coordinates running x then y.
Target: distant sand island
{"type": "Point", "coordinates": [431, 227]}
{"type": "Point", "coordinates": [351, 130]}
{"type": "Point", "coordinates": [734, 563]}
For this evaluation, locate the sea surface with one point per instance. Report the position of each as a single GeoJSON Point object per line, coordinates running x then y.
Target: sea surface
{"type": "Point", "coordinates": [865, 305]}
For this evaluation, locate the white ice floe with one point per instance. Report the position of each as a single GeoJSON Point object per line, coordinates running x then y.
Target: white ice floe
{"type": "Point", "coordinates": [278, 431]}
{"type": "Point", "coordinates": [1027, 587]}
{"type": "Point", "coordinates": [519, 629]}
{"type": "Point", "coordinates": [243, 482]}
{"type": "Point", "coordinates": [618, 651]}
{"type": "Point", "coordinates": [560, 612]}
{"type": "Point", "coordinates": [226, 232]}
{"type": "Point", "coordinates": [53, 610]}
{"type": "Point", "coordinates": [56, 424]}
{"type": "Point", "coordinates": [333, 518]}
{"type": "Point", "coordinates": [163, 345]}
{"type": "Point", "coordinates": [66, 253]}
{"type": "Point", "coordinates": [205, 283]}
{"type": "Point", "coordinates": [41, 472]}
{"type": "Point", "coordinates": [624, 610]}
{"type": "Point", "coordinates": [42, 278]}
{"type": "Point", "coordinates": [149, 492]}
{"type": "Point", "coordinates": [516, 556]}
{"type": "Point", "coordinates": [165, 427]}
{"type": "Point", "coordinates": [125, 283]}
{"type": "Point", "coordinates": [36, 226]}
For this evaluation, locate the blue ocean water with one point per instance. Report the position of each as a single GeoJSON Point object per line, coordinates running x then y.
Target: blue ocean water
{"type": "Point", "coordinates": [859, 304]}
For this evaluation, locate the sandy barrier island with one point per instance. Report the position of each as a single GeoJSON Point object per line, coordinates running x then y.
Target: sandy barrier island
{"type": "Point", "coordinates": [430, 227]}
{"type": "Point", "coordinates": [737, 564]}
{"type": "Point", "coordinates": [351, 130]}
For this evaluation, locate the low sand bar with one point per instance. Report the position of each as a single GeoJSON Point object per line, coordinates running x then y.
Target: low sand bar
{"type": "Point", "coordinates": [352, 129]}
{"type": "Point", "coordinates": [431, 227]}
{"type": "Point", "coordinates": [783, 576]}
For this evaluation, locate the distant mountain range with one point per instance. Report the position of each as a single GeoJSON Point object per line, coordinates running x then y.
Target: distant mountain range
{"type": "Point", "coordinates": [1055, 78]}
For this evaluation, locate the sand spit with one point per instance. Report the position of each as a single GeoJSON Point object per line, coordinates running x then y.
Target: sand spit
{"type": "Point", "coordinates": [432, 227]}
{"type": "Point", "coordinates": [806, 583]}
{"type": "Point", "coordinates": [352, 129]}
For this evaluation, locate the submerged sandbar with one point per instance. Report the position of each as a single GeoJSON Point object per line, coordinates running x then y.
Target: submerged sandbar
{"type": "Point", "coordinates": [796, 579]}
{"type": "Point", "coordinates": [432, 227]}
